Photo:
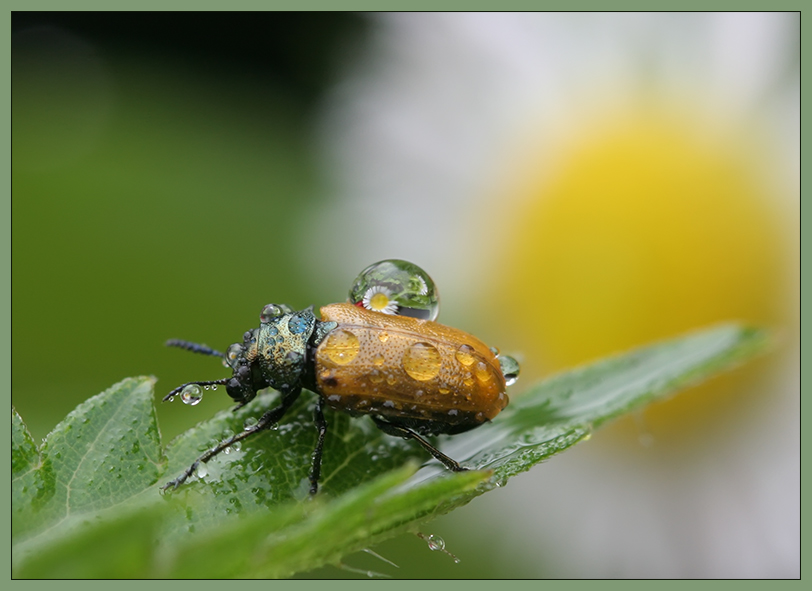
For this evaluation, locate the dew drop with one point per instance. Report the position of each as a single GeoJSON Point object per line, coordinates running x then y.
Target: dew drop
{"type": "Point", "coordinates": [191, 394]}
{"type": "Point", "coordinates": [233, 355]}
{"type": "Point", "coordinates": [271, 311]}
{"type": "Point", "coordinates": [396, 287]}
{"type": "Point", "coordinates": [435, 543]}
{"type": "Point", "coordinates": [465, 355]}
{"type": "Point", "coordinates": [422, 361]}
{"type": "Point", "coordinates": [341, 347]}
{"type": "Point", "coordinates": [249, 423]}
{"type": "Point", "coordinates": [383, 336]}
{"type": "Point", "coordinates": [481, 372]}
{"type": "Point", "coordinates": [378, 360]}
{"type": "Point", "coordinates": [510, 369]}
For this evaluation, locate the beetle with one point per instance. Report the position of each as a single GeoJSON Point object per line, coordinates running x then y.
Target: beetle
{"type": "Point", "coordinates": [414, 377]}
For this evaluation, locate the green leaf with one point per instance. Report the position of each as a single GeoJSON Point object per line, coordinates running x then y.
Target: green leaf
{"type": "Point", "coordinates": [95, 483]}
{"type": "Point", "coordinates": [102, 455]}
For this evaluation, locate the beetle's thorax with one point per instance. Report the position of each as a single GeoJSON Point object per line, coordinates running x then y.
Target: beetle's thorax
{"type": "Point", "coordinates": [278, 347]}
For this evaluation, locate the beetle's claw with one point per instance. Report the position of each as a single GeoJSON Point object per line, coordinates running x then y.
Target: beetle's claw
{"type": "Point", "coordinates": [174, 484]}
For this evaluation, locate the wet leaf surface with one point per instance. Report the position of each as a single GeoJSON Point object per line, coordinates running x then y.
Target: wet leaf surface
{"type": "Point", "coordinates": [93, 488]}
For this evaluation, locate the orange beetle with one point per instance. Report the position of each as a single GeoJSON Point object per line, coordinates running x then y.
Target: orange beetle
{"type": "Point", "coordinates": [430, 377]}
{"type": "Point", "coordinates": [411, 375]}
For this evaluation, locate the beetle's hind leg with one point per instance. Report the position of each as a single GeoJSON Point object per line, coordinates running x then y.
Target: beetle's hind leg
{"type": "Point", "coordinates": [265, 422]}
{"type": "Point", "coordinates": [406, 433]}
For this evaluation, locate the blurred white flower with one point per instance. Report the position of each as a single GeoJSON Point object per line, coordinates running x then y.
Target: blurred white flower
{"type": "Point", "coordinates": [426, 141]}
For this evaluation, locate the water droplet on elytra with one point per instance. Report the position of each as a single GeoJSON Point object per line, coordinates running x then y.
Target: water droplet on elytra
{"type": "Point", "coordinates": [422, 361]}
{"type": "Point", "coordinates": [482, 373]}
{"type": "Point", "coordinates": [341, 347]}
{"type": "Point", "coordinates": [465, 355]}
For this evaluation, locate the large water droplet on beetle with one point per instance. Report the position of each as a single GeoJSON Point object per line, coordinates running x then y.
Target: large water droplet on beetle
{"type": "Point", "coordinates": [341, 346]}
{"type": "Point", "coordinates": [191, 394]}
{"type": "Point", "coordinates": [422, 361]}
{"type": "Point", "coordinates": [396, 287]}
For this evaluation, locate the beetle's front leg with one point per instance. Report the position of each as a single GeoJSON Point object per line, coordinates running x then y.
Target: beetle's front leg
{"type": "Point", "coordinates": [266, 421]}
{"type": "Point", "coordinates": [321, 425]}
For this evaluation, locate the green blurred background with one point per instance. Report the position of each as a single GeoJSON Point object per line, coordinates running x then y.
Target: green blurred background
{"type": "Point", "coordinates": [162, 167]}
{"type": "Point", "coordinates": [172, 173]}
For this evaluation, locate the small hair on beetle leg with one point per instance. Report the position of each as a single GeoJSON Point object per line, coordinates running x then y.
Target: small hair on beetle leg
{"type": "Point", "coordinates": [194, 347]}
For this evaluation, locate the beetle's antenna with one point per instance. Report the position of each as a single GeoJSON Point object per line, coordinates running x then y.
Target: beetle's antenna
{"type": "Point", "coordinates": [194, 348]}
{"type": "Point", "coordinates": [177, 390]}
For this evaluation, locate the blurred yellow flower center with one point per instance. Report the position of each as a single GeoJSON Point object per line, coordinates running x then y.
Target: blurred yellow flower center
{"type": "Point", "coordinates": [642, 232]}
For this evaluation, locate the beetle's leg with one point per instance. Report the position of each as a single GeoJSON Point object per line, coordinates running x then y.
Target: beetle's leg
{"type": "Point", "coordinates": [177, 390]}
{"type": "Point", "coordinates": [406, 433]}
{"type": "Point", "coordinates": [321, 425]}
{"type": "Point", "coordinates": [194, 347]}
{"type": "Point", "coordinates": [265, 422]}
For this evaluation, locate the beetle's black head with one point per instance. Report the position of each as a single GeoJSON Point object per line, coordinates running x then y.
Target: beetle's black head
{"type": "Point", "coordinates": [272, 355]}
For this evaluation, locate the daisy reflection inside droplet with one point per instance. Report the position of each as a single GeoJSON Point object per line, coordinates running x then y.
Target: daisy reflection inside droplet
{"type": "Point", "coordinates": [396, 287]}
